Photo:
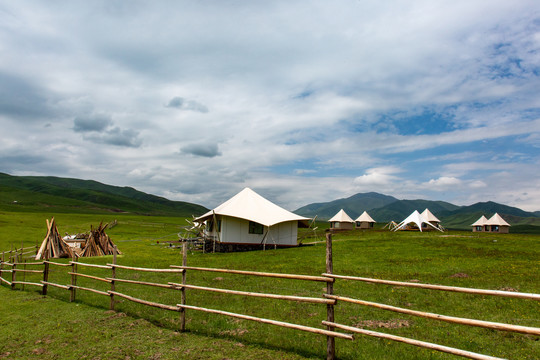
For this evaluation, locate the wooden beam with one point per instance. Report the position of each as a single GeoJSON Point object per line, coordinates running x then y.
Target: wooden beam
{"type": "Point", "coordinates": [92, 265]}
{"type": "Point", "coordinates": [440, 287]}
{"type": "Point", "coordinates": [255, 273]}
{"type": "Point", "coordinates": [144, 302]}
{"type": "Point", "coordinates": [271, 322]}
{"type": "Point", "coordinates": [90, 277]}
{"type": "Point", "coordinates": [423, 344]}
{"type": "Point", "coordinates": [450, 319]}
{"type": "Point", "coordinates": [254, 294]}
{"type": "Point", "coordinates": [147, 269]}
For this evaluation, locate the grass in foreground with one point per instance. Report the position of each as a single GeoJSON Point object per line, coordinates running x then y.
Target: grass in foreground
{"type": "Point", "coordinates": [59, 329]}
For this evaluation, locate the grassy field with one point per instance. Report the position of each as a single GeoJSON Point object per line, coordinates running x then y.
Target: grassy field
{"type": "Point", "coordinates": [53, 328]}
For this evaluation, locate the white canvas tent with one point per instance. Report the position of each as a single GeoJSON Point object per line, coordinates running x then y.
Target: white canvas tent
{"type": "Point", "coordinates": [364, 221]}
{"type": "Point", "coordinates": [495, 224]}
{"type": "Point", "coordinates": [248, 218]}
{"type": "Point", "coordinates": [341, 221]}
{"type": "Point", "coordinates": [479, 225]}
{"type": "Point", "coordinates": [417, 219]}
{"type": "Point", "coordinates": [432, 219]}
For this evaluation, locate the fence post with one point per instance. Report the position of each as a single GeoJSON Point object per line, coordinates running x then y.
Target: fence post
{"type": "Point", "coordinates": [1, 265]}
{"type": "Point", "coordinates": [330, 340]}
{"type": "Point", "coordinates": [13, 275]}
{"type": "Point", "coordinates": [73, 278]}
{"type": "Point", "coordinates": [183, 291]}
{"type": "Point", "coordinates": [113, 276]}
{"type": "Point", "coordinates": [45, 277]}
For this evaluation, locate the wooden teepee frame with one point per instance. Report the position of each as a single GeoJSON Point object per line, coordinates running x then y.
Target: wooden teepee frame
{"type": "Point", "coordinates": [53, 246]}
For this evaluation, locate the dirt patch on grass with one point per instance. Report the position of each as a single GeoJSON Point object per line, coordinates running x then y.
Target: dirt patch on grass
{"type": "Point", "coordinates": [460, 275]}
{"type": "Point", "coordinates": [388, 324]}
{"type": "Point", "coordinates": [234, 332]}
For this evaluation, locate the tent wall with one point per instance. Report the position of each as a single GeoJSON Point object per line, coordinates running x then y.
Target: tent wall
{"type": "Point", "coordinates": [236, 231]}
{"type": "Point", "coordinates": [342, 225]}
{"type": "Point", "coordinates": [364, 225]}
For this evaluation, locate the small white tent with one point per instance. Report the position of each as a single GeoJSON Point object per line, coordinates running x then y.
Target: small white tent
{"type": "Point", "coordinates": [479, 224]}
{"type": "Point", "coordinates": [497, 224]}
{"type": "Point", "coordinates": [248, 218]}
{"type": "Point", "coordinates": [415, 218]}
{"type": "Point", "coordinates": [341, 221]}
{"type": "Point", "coordinates": [426, 214]}
{"type": "Point", "coordinates": [364, 221]}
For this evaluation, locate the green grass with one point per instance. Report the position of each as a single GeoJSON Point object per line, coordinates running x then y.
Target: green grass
{"type": "Point", "coordinates": [52, 327]}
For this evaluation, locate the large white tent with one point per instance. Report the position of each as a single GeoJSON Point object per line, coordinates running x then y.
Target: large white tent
{"type": "Point", "coordinates": [417, 219]}
{"type": "Point", "coordinates": [364, 221]}
{"type": "Point", "coordinates": [341, 221]}
{"type": "Point", "coordinates": [248, 218]}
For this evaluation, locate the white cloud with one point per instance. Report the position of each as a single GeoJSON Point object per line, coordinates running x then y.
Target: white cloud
{"type": "Point", "coordinates": [321, 95]}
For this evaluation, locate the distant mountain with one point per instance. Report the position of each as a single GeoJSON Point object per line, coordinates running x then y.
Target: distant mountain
{"type": "Point", "coordinates": [491, 207]}
{"type": "Point", "coordinates": [354, 205]}
{"type": "Point", "coordinates": [31, 193]}
{"type": "Point", "coordinates": [400, 209]}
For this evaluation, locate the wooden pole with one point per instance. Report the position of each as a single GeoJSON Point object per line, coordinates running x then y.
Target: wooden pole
{"type": "Point", "coordinates": [446, 349]}
{"type": "Point", "coordinates": [519, 295]}
{"type": "Point", "coordinates": [330, 340]}
{"type": "Point", "coordinates": [183, 291]}
{"type": "Point", "coordinates": [73, 278]}
{"type": "Point", "coordinates": [24, 274]}
{"type": "Point", "coordinates": [13, 275]}
{"type": "Point", "coordinates": [113, 276]}
{"type": "Point", "coordinates": [45, 278]}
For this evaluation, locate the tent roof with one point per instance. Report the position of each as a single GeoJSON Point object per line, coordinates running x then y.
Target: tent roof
{"type": "Point", "coordinates": [249, 205]}
{"type": "Point", "coordinates": [497, 220]}
{"type": "Point", "coordinates": [480, 222]}
{"type": "Point", "coordinates": [426, 214]}
{"type": "Point", "coordinates": [416, 218]}
{"type": "Point", "coordinates": [365, 218]}
{"type": "Point", "coordinates": [341, 216]}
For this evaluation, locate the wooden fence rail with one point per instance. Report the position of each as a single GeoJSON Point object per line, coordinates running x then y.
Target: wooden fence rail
{"type": "Point", "coordinates": [511, 294]}
{"type": "Point", "coordinates": [329, 299]}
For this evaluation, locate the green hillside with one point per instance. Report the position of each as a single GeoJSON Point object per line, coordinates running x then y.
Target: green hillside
{"type": "Point", "coordinates": [400, 209]}
{"type": "Point", "coordinates": [32, 193]}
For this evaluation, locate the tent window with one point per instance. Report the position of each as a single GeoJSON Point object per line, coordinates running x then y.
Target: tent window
{"type": "Point", "coordinates": [255, 228]}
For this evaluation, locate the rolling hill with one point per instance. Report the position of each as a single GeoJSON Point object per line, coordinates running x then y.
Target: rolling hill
{"type": "Point", "coordinates": [31, 193]}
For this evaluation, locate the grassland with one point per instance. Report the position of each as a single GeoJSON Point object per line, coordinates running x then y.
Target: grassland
{"type": "Point", "coordinates": [53, 328]}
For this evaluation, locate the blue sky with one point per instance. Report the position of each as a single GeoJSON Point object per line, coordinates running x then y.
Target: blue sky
{"type": "Point", "coordinates": [301, 101]}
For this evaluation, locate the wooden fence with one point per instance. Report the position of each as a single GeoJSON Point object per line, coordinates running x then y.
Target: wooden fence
{"type": "Point", "coordinates": [9, 270]}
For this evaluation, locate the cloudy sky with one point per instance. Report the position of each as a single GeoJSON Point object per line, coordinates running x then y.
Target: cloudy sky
{"type": "Point", "coordinates": [303, 101]}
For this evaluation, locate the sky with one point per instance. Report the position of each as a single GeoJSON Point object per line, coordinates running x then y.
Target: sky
{"type": "Point", "coordinates": [302, 101]}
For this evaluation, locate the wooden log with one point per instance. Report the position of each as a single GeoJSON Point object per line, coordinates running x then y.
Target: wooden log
{"type": "Point", "coordinates": [29, 271]}
{"type": "Point", "coordinates": [72, 289]}
{"type": "Point", "coordinates": [45, 277]}
{"type": "Point", "coordinates": [255, 273]}
{"type": "Point", "coordinates": [28, 283]}
{"type": "Point", "coordinates": [144, 302]}
{"type": "Point", "coordinates": [113, 275]}
{"type": "Point", "coordinates": [271, 322]}
{"type": "Point", "coordinates": [13, 276]}
{"type": "Point", "coordinates": [441, 287]}
{"type": "Point", "coordinates": [423, 344]}
{"type": "Point", "coordinates": [92, 290]}
{"type": "Point", "coordinates": [147, 269]}
{"type": "Point", "coordinates": [166, 286]}
{"type": "Point", "coordinates": [35, 263]}
{"type": "Point", "coordinates": [6, 281]}
{"type": "Point", "coordinates": [66, 287]}
{"type": "Point", "coordinates": [450, 319]}
{"type": "Point", "coordinates": [55, 263]}
{"type": "Point", "coordinates": [92, 265]}
{"type": "Point", "coordinates": [254, 294]}
{"type": "Point", "coordinates": [330, 340]}
{"type": "Point", "coordinates": [90, 277]}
